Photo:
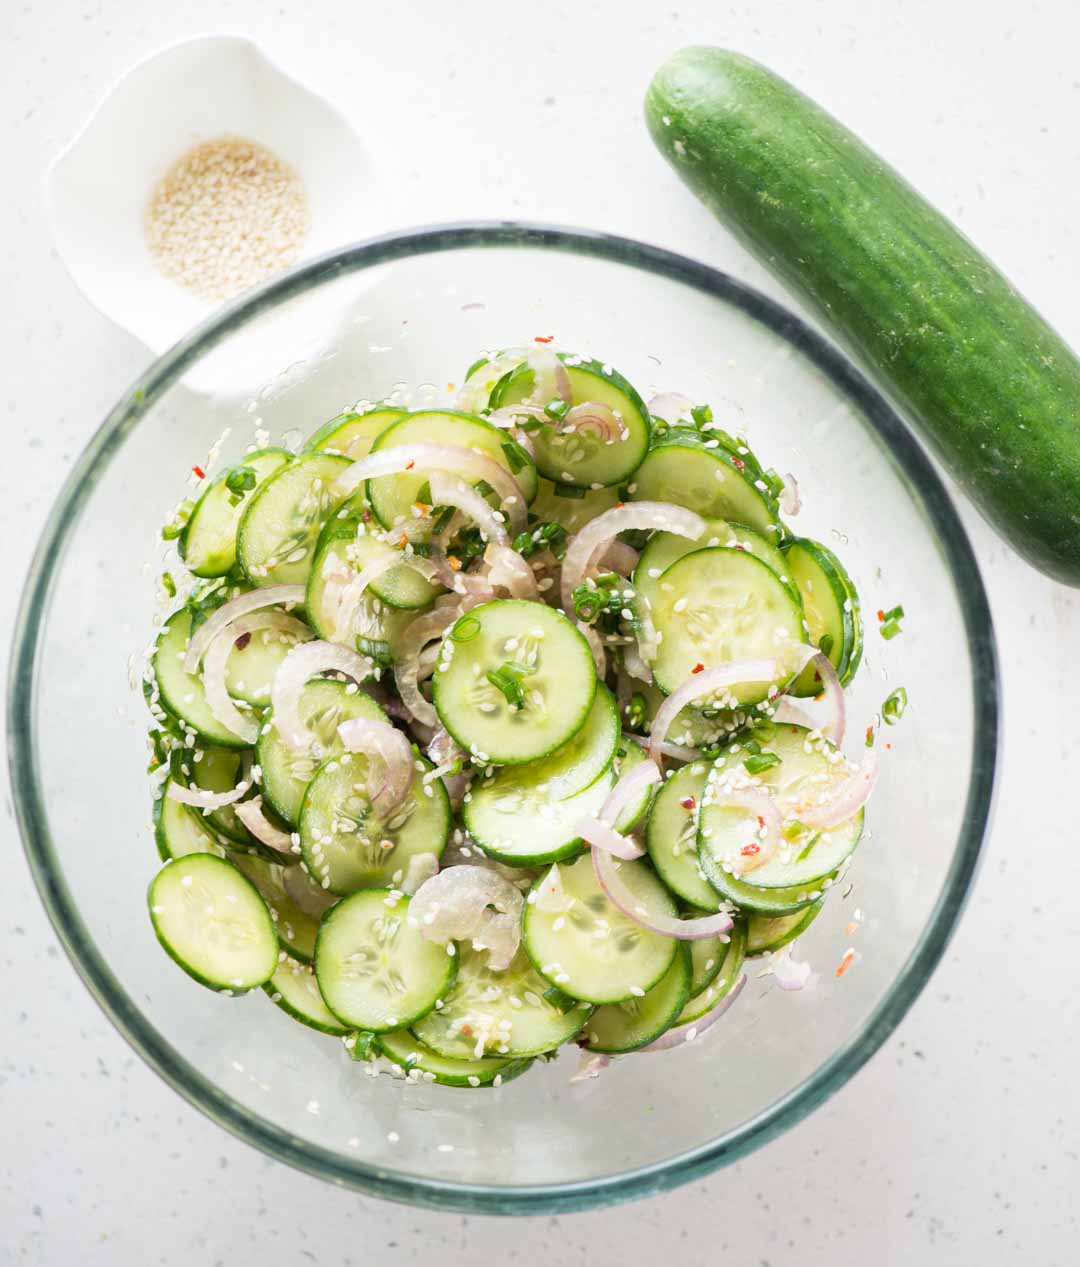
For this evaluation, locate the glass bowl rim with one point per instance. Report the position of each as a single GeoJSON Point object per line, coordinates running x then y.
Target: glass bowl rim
{"type": "Point", "coordinates": [377, 1180]}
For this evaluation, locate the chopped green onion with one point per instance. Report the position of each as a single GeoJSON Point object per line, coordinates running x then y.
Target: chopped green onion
{"type": "Point", "coordinates": [465, 629]}
{"type": "Point", "coordinates": [557, 409]}
{"type": "Point", "coordinates": [569, 490]}
{"type": "Point", "coordinates": [896, 613]}
{"type": "Point", "coordinates": [240, 480]}
{"type": "Point", "coordinates": [894, 707]}
{"type": "Point", "coordinates": [168, 584]}
{"type": "Point", "coordinates": [483, 488]}
{"type": "Point", "coordinates": [810, 844]}
{"type": "Point", "coordinates": [375, 649]}
{"type": "Point", "coordinates": [178, 522]}
{"type": "Point", "coordinates": [560, 1000]}
{"type": "Point", "coordinates": [507, 678]}
{"type": "Point", "coordinates": [890, 629]}
{"type": "Point", "coordinates": [635, 711]}
{"type": "Point", "coordinates": [825, 646]}
{"type": "Point", "coordinates": [759, 762]}
{"type": "Point", "coordinates": [441, 518]}
{"type": "Point", "coordinates": [701, 414]}
{"type": "Point", "coordinates": [516, 457]}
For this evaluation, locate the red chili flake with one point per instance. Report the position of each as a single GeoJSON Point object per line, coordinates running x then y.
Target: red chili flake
{"type": "Point", "coordinates": [409, 465]}
{"type": "Point", "coordinates": [466, 1030]}
{"type": "Point", "coordinates": [403, 541]}
{"type": "Point", "coordinates": [760, 821]}
{"type": "Point", "coordinates": [738, 463]}
{"type": "Point", "coordinates": [852, 929]}
{"type": "Point", "coordinates": [197, 470]}
{"type": "Point", "coordinates": [748, 851]}
{"type": "Point", "coordinates": [846, 961]}
{"type": "Point", "coordinates": [543, 338]}
{"type": "Point", "coordinates": [688, 802]}
{"type": "Point", "coordinates": [698, 668]}
{"type": "Point", "coordinates": [888, 747]}
{"type": "Point", "coordinates": [881, 614]}
{"type": "Point", "coordinates": [454, 561]}
{"type": "Point", "coordinates": [365, 515]}
{"type": "Point", "coordinates": [242, 641]}
{"type": "Point", "coordinates": [619, 504]}
{"type": "Point", "coordinates": [422, 509]}
{"type": "Point", "coordinates": [869, 735]}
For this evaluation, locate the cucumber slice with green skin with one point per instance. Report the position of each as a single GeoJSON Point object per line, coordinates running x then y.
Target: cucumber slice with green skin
{"type": "Point", "coordinates": [619, 1027]}
{"type": "Point", "coordinates": [551, 506]}
{"type": "Point", "coordinates": [671, 836]}
{"type": "Point", "coordinates": [250, 668]}
{"type": "Point", "coordinates": [765, 935]}
{"type": "Point", "coordinates": [393, 496]}
{"type": "Point", "coordinates": [182, 693]}
{"type": "Point", "coordinates": [629, 754]}
{"type": "Point", "coordinates": [717, 605]}
{"type": "Point", "coordinates": [754, 900]}
{"type": "Point", "coordinates": [517, 824]}
{"type": "Point", "coordinates": [324, 705]}
{"type": "Point", "coordinates": [375, 970]}
{"type": "Point", "coordinates": [352, 434]}
{"type": "Point", "coordinates": [219, 770]}
{"type": "Point", "coordinates": [497, 1013]}
{"type": "Point", "coordinates": [547, 658]}
{"type": "Point", "coordinates": [212, 922]}
{"type": "Point", "coordinates": [705, 999]}
{"type": "Point", "coordinates": [376, 628]}
{"type": "Point", "coordinates": [179, 830]}
{"type": "Point", "coordinates": [208, 543]}
{"type": "Point", "coordinates": [707, 727]}
{"type": "Point", "coordinates": [294, 989]}
{"type": "Point", "coordinates": [571, 457]}
{"type": "Point", "coordinates": [706, 956]}
{"type": "Point", "coordinates": [364, 542]}
{"type": "Point", "coordinates": [691, 470]}
{"type": "Point", "coordinates": [808, 767]}
{"type": "Point", "coordinates": [405, 1050]}
{"type": "Point", "coordinates": [593, 952]}
{"type": "Point", "coordinates": [825, 589]}
{"type": "Point", "coordinates": [296, 929]}
{"type": "Point", "coordinates": [347, 847]}
{"type": "Point", "coordinates": [275, 540]}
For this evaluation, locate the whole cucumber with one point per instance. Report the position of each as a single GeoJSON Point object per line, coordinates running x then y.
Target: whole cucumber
{"type": "Point", "coordinates": [994, 390]}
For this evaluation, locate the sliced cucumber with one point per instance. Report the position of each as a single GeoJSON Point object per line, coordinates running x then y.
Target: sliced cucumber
{"type": "Point", "coordinates": [517, 824]}
{"type": "Point", "coordinates": [497, 1013]}
{"type": "Point", "coordinates": [722, 983]}
{"type": "Point", "coordinates": [364, 543]}
{"type": "Point", "coordinates": [211, 920]}
{"type": "Point", "coordinates": [701, 474]}
{"type": "Point", "coordinates": [294, 989]}
{"type": "Point", "coordinates": [352, 434]}
{"type": "Point", "coordinates": [375, 627]}
{"type": "Point", "coordinates": [405, 1050]}
{"type": "Point", "coordinates": [765, 934]}
{"type": "Point", "coordinates": [717, 605]}
{"type": "Point", "coordinates": [751, 898]}
{"type": "Point", "coordinates": [628, 754]}
{"type": "Point", "coordinates": [254, 660]}
{"type": "Point", "coordinates": [806, 770]}
{"type": "Point", "coordinates": [296, 925]}
{"type": "Point", "coordinates": [538, 653]}
{"type": "Point", "coordinates": [375, 970]}
{"type": "Point", "coordinates": [275, 540]}
{"type": "Point", "coordinates": [179, 830]}
{"type": "Point", "coordinates": [832, 614]}
{"type": "Point", "coordinates": [218, 770]}
{"type": "Point", "coordinates": [573, 512]}
{"type": "Point", "coordinates": [346, 846]}
{"type": "Point", "coordinates": [323, 706]}
{"type": "Point", "coordinates": [707, 727]}
{"type": "Point", "coordinates": [393, 496]}
{"type": "Point", "coordinates": [182, 693]}
{"type": "Point", "coordinates": [208, 543]}
{"type": "Point", "coordinates": [671, 836]}
{"type": "Point", "coordinates": [619, 1027]}
{"type": "Point", "coordinates": [594, 952]}
{"type": "Point", "coordinates": [706, 956]}
{"type": "Point", "coordinates": [579, 457]}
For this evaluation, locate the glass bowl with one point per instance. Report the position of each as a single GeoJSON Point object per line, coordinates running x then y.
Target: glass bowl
{"type": "Point", "coordinates": [410, 312]}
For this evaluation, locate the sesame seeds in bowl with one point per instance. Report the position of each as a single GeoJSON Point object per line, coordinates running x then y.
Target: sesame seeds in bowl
{"type": "Point", "coordinates": [204, 171]}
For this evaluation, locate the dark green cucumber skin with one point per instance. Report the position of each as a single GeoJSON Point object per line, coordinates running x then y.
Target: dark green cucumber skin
{"type": "Point", "coordinates": [994, 390]}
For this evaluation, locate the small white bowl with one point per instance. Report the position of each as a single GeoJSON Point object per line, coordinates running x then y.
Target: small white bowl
{"type": "Point", "coordinates": [198, 90]}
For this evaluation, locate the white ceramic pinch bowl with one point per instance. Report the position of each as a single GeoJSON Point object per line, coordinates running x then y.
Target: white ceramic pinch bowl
{"type": "Point", "coordinates": [195, 91]}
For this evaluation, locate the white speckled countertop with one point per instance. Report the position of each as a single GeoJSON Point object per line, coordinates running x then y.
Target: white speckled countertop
{"type": "Point", "coordinates": [957, 1144]}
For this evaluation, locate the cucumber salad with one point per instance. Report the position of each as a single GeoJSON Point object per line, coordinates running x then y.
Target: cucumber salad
{"type": "Point", "coordinates": [485, 729]}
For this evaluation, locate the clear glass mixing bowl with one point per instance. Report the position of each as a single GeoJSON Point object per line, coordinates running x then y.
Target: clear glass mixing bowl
{"type": "Point", "coordinates": [415, 308]}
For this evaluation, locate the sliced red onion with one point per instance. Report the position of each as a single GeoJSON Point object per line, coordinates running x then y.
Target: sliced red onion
{"type": "Point", "coordinates": [421, 868]}
{"type": "Point", "coordinates": [844, 800]}
{"type": "Point", "coordinates": [201, 798]}
{"type": "Point", "coordinates": [407, 665]}
{"type": "Point", "coordinates": [790, 974]}
{"type": "Point", "coordinates": [790, 501]}
{"type": "Point", "coordinates": [550, 379]}
{"type": "Point", "coordinates": [250, 813]}
{"type": "Point", "coordinates": [451, 490]}
{"type": "Point", "coordinates": [353, 593]}
{"type": "Point", "coordinates": [601, 836]}
{"type": "Point", "coordinates": [628, 789]}
{"type": "Point", "coordinates": [509, 416]}
{"type": "Point", "coordinates": [506, 568]}
{"type": "Point", "coordinates": [454, 906]}
{"type": "Point", "coordinates": [621, 896]}
{"type": "Point", "coordinates": [243, 724]}
{"type": "Point", "coordinates": [793, 714]}
{"type": "Point", "coordinates": [617, 556]}
{"type": "Point", "coordinates": [593, 419]}
{"type": "Point", "coordinates": [694, 1029]}
{"type": "Point", "coordinates": [670, 406]}
{"type": "Point", "coordinates": [294, 672]}
{"type": "Point", "coordinates": [595, 646]}
{"type": "Point", "coordinates": [635, 665]}
{"type": "Point", "coordinates": [756, 803]}
{"type": "Point", "coordinates": [390, 760]}
{"type": "Point", "coordinates": [549, 895]}
{"type": "Point", "coordinates": [591, 1065]}
{"type": "Point", "coordinates": [253, 600]}
{"type": "Point", "coordinates": [421, 459]}
{"type": "Point", "coordinates": [835, 723]}
{"type": "Point", "coordinates": [734, 673]}
{"type": "Point", "coordinates": [658, 516]}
